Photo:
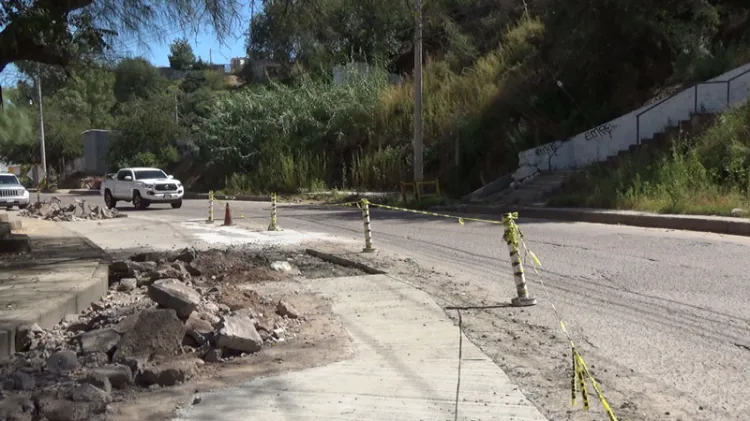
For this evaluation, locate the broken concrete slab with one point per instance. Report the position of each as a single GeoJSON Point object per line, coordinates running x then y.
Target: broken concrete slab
{"type": "Point", "coordinates": [238, 333]}
{"type": "Point", "coordinates": [171, 293]}
{"type": "Point", "coordinates": [155, 334]}
{"type": "Point", "coordinates": [100, 340]}
{"type": "Point", "coordinates": [120, 376]}
{"type": "Point", "coordinates": [167, 374]}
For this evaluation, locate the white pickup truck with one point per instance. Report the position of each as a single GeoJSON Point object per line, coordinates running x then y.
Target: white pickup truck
{"type": "Point", "coordinates": [142, 186]}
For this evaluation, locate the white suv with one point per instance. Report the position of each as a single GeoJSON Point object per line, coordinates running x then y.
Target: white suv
{"type": "Point", "coordinates": [12, 193]}
{"type": "Point", "coordinates": [142, 186]}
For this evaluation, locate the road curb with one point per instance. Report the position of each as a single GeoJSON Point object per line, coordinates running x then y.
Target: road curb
{"type": "Point", "coordinates": [94, 289]}
{"type": "Point", "coordinates": [240, 198]}
{"type": "Point", "coordinates": [713, 224]}
{"type": "Point", "coordinates": [341, 261]}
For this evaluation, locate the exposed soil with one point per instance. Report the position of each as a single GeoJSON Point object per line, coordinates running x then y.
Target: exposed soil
{"type": "Point", "coordinates": [175, 323]}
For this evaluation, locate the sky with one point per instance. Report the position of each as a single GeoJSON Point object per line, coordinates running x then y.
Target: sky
{"type": "Point", "coordinates": [205, 45]}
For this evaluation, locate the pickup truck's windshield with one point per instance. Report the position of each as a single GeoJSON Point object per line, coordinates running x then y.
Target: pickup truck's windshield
{"type": "Point", "coordinates": [8, 180]}
{"type": "Point", "coordinates": [149, 174]}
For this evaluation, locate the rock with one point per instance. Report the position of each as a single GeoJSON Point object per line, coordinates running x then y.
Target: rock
{"type": "Point", "coordinates": [95, 359]}
{"type": "Point", "coordinates": [99, 380]}
{"type": "Point", "coordinates": [62, 362]}
{"type": "Point", "coordinates": [283, 308]}
{"type": "Point", "coordinates": [198, 329]}
{"type": "Point", "coordinates": [156, 333]}
{"type": "Point", "coordinates": [120, 376]}
{"type": "Point", "coordinates": [64, 410]}
{"type": "Point", "coordinates": [87, 392]}
{"type": "Point", "coordinates": [279, 334]}
{"type": "Point", "coordinates": [213, 356]}
{"type": "Point", "coordinates": [24, 338]}
{"type": "Point", "coordinates": [167, 374]}
{"type": "Point", "coordinates": [171, 293]}
{"type": "Point", "coordinates": [149, 256]}
{"type": "Point", "coordinates": [238, 334]}
{"type": "Point", "coordinates": [78, 326]}
{"type": "Point", "coordinates": [20, 381]}
{"type": "Point", "coordinates": [167, 272]}
{"type": "Point", "coordinates": [100, 340]}
{"type": "Point", "coordinates": [182, 268]}
{"type": "Point", "coordinates": [281, 266]}
{"type": "Point", "coordinates": [186, 255]}
{"type": "Point", "coordinates": [192, 270]}
{"type": "Point", "coordinates": [739, 212]}
{"type": "Point", "coordinates": [121, 267]}
{"type": "Point", "coordinates": [210, 308]}
{"type": "Point", "coordinates": [210, 318]}
{"type": "Point", "coordinates": [127, 284]}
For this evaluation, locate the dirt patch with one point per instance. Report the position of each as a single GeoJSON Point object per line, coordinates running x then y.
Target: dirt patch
{"type": "Point", "coordinates": [173, 323]}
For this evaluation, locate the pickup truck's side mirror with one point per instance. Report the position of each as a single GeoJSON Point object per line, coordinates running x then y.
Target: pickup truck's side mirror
{"type": "Point", "coordinates": [128, 178]}
{"type": "Point", "coordinates": [170, 177]}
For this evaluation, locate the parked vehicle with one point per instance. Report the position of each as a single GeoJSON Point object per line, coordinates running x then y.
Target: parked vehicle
{"type": "Point", "coordinates": [142, 187]}
{"type": "Point", "coordinates": [12, 192]}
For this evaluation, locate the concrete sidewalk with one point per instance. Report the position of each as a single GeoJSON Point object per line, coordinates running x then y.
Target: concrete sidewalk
{"type": "Point", "coordinates": [61, 275]}
{"type": "Point", "coordinates": [405, 368]}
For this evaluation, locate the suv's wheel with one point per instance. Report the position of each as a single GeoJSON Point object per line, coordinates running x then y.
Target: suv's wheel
{"type": "Point", "coordinates": [177, 204]}
{"type": "Point", "coordinates": [138, 201]}
{"type": "Point", "coordinates": [109, 200]}
{"type": "Point", "coordinates": [22, 207]}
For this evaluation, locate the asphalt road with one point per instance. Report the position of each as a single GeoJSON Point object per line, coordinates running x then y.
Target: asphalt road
{"type": "Point", "coordinates": [660, 316]}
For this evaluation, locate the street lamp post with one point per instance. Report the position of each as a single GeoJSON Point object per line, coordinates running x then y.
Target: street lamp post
{"type": "Point", "coordinates": [41, 121]}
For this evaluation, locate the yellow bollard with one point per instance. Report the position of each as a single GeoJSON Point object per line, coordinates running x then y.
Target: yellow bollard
{"type": "Point", "coordinates": [366, 221]}
{"type": "Point", "coordinates": [210, 207]}
{"type": "Point", "coordinates": [512, 237]}
{"type": "Point", "coordinates": [273, 226]}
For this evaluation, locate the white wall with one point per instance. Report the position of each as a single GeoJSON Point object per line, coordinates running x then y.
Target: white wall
{"type": "Point", "coordinates": [606, 140]}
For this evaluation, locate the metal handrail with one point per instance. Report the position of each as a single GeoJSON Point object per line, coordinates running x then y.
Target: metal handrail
{"type": "Point", "coordinates": [728, 82]}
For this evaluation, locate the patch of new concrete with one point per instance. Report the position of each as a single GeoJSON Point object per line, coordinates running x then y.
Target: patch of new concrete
{"type": "Point", "coordinates": [62, 274]}
{"type": "Point", "coordinates": [219, 235]}
{"type": "Point", "coordinates": [405, 368]}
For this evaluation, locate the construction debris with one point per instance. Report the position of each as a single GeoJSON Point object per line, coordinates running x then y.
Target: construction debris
{"type": "Point", "coordinates": [166, 315]}
{"type": "Point", "coordinates": [54, 210]}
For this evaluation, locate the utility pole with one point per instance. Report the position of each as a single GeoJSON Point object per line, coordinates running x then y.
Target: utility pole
{"type": "Point", "coordinates": [41, 119]}
{"type": "Point", "coordinates": [418, 122]}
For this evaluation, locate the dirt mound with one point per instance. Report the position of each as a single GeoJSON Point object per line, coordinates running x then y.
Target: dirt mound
{"type": "Point", "coordinates": [165, 317]}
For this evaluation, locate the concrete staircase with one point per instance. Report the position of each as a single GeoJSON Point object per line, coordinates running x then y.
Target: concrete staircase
{"type": "Point", "coordinates": [539, 188]}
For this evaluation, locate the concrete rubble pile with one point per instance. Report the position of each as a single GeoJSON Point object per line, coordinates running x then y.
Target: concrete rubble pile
{"type": "Point", "coordinates": [161, 321]}
{"type": "Point", "coordinates": [54, 210]}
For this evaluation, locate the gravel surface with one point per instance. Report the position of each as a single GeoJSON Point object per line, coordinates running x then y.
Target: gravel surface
{"type": "Point", "coordinates": [659, 316]}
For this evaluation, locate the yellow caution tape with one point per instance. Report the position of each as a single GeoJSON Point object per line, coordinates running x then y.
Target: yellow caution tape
{"type": "Point", "coordinates": [459, 219]}
{"type": "Point", "coordinates": [580, 370]}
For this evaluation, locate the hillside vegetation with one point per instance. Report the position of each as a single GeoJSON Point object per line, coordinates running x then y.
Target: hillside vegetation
{"type": "Point", "coordinates": [500, 77]}
{"type": "Point", "coordinates": [708, 173]}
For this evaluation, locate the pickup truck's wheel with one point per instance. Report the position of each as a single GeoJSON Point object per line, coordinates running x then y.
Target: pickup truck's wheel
{"type": "Point", "coordinates": [109, 200]}
{"type": "Point", "coordinates": [177, 204]}
{"type": "Point", "coordinates": [138, 201]}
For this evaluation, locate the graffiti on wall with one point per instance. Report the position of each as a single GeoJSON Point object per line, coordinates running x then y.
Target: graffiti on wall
{"type": "Point", "coordinates": [601, 131]}
{"type": "Point", "coordinates": [547, 149]}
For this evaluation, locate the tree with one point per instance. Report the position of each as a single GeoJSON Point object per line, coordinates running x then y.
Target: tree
{"type": "Point", "coordinates": [58, 32]}
{"type": "Point", "coordinates": [181, 55]}
{"type": "Point", "coordinates": [136, 78]}
{"type": "Point", "coordinates": [16, 133]}
{"type": "Point", "coordinates": [147, 133]}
